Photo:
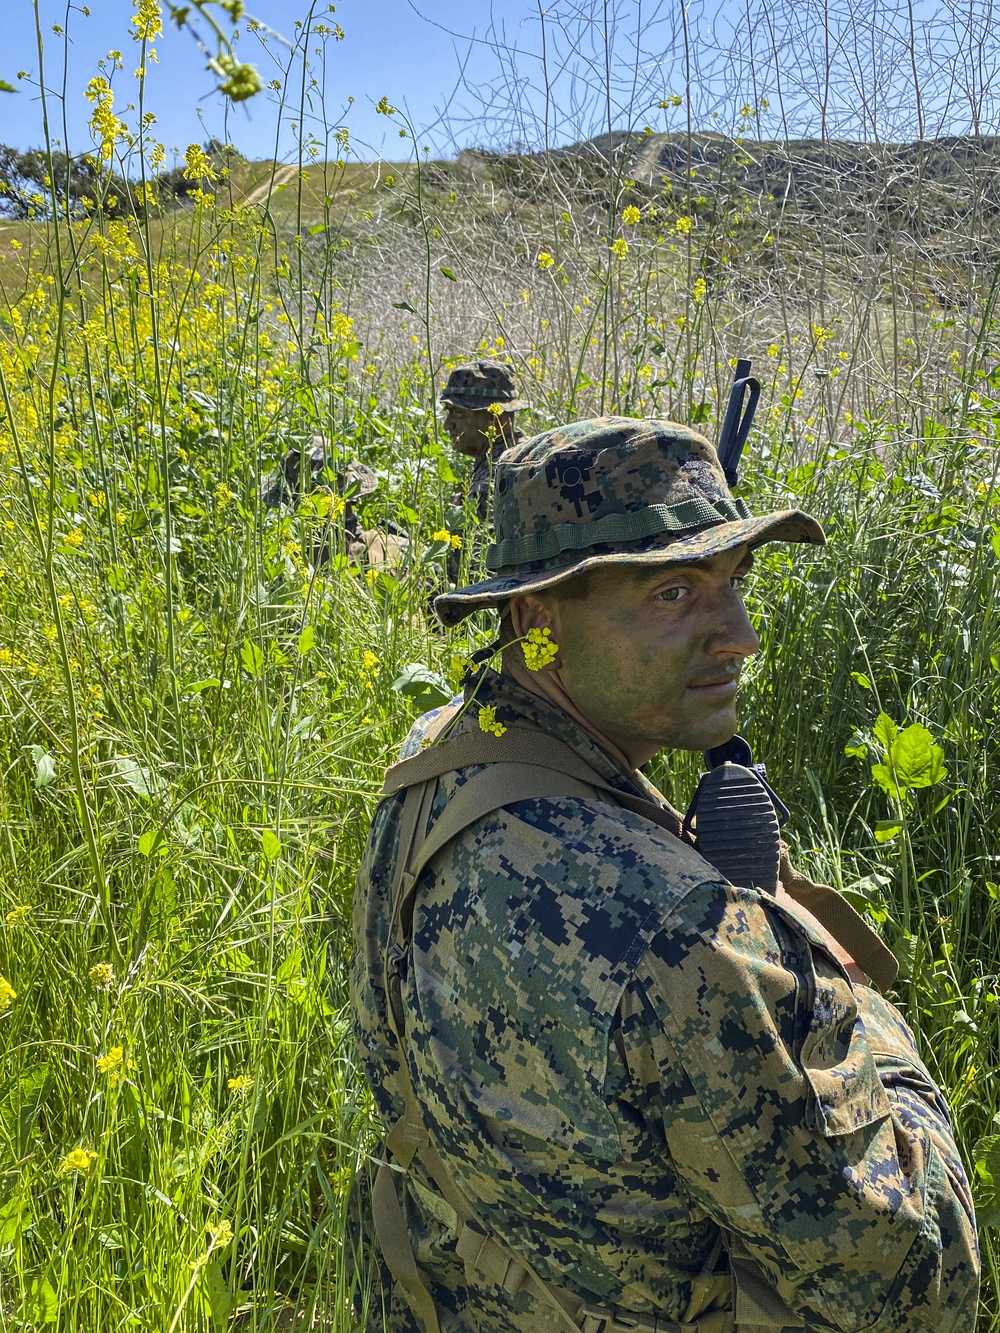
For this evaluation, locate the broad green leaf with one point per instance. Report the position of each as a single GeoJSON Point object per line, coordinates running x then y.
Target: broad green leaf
{"type": "Point", "coordinates": [856, 747]}
{"type": "Point", "coordinates": [449, 274]}
{"type": "Point", "coordinates": [917, 760]}
{"type": "Point", "coordinates": [219, 1296]}
{"type": "Point", "coordinates": [404, 305]}
{"type": "Point", "coordinates": [43, 1301]}
{"type": "Point", "coordinates": [251, 658]}
{"type": "Point", "coordinates": [147, 842]}
{"type": "Point", "coordinates": [143, 781]}
{"type": "Point", "coordinates": [995, 542]}
{"type": "Point", "coordinates": [271, 844]}
{"type": "Point", "coordinates": [290, 969]}
{"type": "Point", "coordinates": [420, 683]}
{"type": "Point", "coordinates": [306, 639]}
{"type": "Point", "coordinates": [196, 686]}
{"type": "Point", "coordinates": [861, 679]}
{"type": "Point", "coordinates": [887, 829]}
{"type": "Point", "coordinates": [45, 766]}
{"type": "Point", "coordinates": [10, 1220]}
{"type": "Point", "coordinates": [886, 730]}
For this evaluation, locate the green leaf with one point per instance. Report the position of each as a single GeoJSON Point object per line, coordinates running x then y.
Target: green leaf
{"type": "Point", "coordinates": [270, 844]}
{"type": "Point", "coordinates": [449, 275]}
{"type": "Point", "coordinates": [43, 1302]}
{"type": "Point", "coordinates": [143, 781]}
{"type": "Point", "coordinates": [856, 747]}
{"type": "Point", "coordinates": [220, 1298]}
{"type": "Point", "coordinates": [420, 683]}
{"type": "Point", "coordinates": [10, 1220]}
{"type": "Point", "coordinates": [251, 658]}
{"type": "Point", "coordinates": [995, 542]}
{"type": "Point", "coordinates": [45, 767]}
{"type": "Point", "coordinates": [306, 640]}
{"type": "Point", "coordinates": [887, 829]}
{"type": "Point", "coordinates": [861, 679]}
{"type": "Point", "coordinates": [196, 686]}
{"type": "Point", "coordinates": [404, 305]}
{"type": "Point", "coordinates": [147, 842]}
{"type": "Point", "coordinates": [32, 1088]}
{"type": "Point", "coordinates": [886, 730]}
{"type": "Point", "coordinates": [6, 87]}
{"type": "Point", "coordinates": [290, 969]}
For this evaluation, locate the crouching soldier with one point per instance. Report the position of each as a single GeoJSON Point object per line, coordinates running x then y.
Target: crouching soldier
{"type": "Point", "coordinates": [621, 1088]}
{"type": "Point", "coordinates": [382, 547]}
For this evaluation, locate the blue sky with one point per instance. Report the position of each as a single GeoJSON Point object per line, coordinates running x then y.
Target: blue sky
{"type": "Point", "coordinates": [470, 72]}
{"type": "Point", "coordinates": [390, 49]}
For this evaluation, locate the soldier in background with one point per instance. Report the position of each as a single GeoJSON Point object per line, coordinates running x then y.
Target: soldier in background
{"type": "Point", "coordinates": [363, 546]}
{"type": "Point", "coordinates": [480, 400]}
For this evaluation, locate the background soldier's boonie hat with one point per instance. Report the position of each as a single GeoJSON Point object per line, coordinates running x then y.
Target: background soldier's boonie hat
{"type": "Point", "coordinates": [479, 384]}
{"type": "Point", "coordinates": [613, 490]}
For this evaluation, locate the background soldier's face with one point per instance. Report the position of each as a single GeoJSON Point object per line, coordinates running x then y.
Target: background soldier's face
{"type": "Point", "coordinates": [471, 433]}
{"type": "Point", "coordinates": [652, 657]}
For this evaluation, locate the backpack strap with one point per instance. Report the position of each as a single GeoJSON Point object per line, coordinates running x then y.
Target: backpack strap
{"type": "Point", "coordinates": [521, 745]}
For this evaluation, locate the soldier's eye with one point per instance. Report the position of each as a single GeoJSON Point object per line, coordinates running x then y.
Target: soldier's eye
{"type": "Point", "coordinates": [670, 594]}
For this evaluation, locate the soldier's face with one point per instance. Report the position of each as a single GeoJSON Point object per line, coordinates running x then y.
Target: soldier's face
{"type": "Point", "coordinates": [652, 657]}
{"type": "Point", "coordinates": [471, 433]}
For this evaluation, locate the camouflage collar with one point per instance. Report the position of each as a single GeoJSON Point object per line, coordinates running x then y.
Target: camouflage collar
{"type": "Point", "coordinates": [516, 706]}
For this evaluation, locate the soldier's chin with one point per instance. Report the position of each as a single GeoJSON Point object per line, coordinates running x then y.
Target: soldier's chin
{"type": "Point", "coordinates": [715, 729]}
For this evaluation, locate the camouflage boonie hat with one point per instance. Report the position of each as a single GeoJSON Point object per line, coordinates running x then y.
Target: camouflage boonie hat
{"type": "Point", "coordinates": [481, 383]}
{"type": "Point", "coordinates": [611, 491]}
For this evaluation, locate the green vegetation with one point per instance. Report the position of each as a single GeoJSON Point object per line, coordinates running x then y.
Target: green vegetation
{"type": "Point", "coordinates": [195, 719]}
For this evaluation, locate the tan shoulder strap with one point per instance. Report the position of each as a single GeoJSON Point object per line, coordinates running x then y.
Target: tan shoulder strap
{"type": "Point", "coordinates": [520, 745]}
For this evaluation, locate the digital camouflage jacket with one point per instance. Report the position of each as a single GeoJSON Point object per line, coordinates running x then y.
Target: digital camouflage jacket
{"type": "Point", "coordinates": [618, 1053]}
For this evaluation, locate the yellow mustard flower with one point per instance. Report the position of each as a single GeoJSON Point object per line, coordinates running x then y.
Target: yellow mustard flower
{"type": "Point", "coordinates": [111, 1061]}
{"type": "Point", "coordinates": [7, 994]}
{"type": "Point", "coordinates": [488, 721]}
{"type": "Point", "coordinates": [630, 215]}
{"type": "Point", "coordinates": [78, 1160]}
{"type": "Point", "coordinates": [18, 916]}
{"type": "Point", "coordinates": [538, 648]}
{"type": "Point", "coordinates": [240, 1084]}
{"type": "Point", "coordinates": [220, 1233]}
{"type": "Point", "coordinates": [544, 260]}
{"type": "Point", "coordinates": [102, 976]}
{"type": "Point", "coordinates": [619, 248]}
{"type": "Point", "coordinates": [684, 225]}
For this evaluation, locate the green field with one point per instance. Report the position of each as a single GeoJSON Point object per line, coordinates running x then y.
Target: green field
{"type": "Point", "coordinates": [194, 720]}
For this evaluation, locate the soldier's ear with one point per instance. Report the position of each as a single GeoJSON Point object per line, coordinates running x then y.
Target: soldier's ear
{"type": "Point", "coordinates": [529, 612]}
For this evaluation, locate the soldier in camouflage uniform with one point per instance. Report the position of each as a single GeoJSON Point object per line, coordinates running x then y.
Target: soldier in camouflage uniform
{"type": "Point", "coordinates": [480, 401]}
{"type": "Point", "coordinates": [287, 486]}
{"type": "Point", "coordinates": [621, 1091]}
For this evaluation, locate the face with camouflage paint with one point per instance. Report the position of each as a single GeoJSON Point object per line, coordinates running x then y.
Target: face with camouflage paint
{"type": "Point", "coordinates": [651, 657]}
{"type": "Point", "coordinates": [472, 432]}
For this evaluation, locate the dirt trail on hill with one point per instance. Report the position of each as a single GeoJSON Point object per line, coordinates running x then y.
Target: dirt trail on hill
{"type": "Point", "coordinates": [260, 193]}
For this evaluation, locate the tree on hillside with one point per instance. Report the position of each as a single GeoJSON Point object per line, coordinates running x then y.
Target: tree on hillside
{"type": "Point", "coordinates": [33, 183]}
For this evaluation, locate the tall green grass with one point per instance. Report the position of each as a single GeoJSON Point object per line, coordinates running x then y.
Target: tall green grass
{"type": "Point", "coordinates": [195, 719]}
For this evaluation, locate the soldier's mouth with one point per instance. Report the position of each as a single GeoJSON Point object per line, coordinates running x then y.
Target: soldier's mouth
{"type": "Point", "coordinates": [722, 687]}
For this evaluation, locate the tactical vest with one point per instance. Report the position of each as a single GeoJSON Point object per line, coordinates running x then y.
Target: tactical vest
{"type": "Point", "coordinates": [530, 764]}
